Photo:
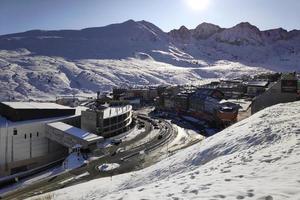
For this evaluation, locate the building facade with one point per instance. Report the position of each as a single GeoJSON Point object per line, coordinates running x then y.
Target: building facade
{"type": "Point", "coordinates": [283, 91]}
{"type": "Point", "coordinates": [23, 141]}
{"type": "Point", "coordinates": [107, 121]}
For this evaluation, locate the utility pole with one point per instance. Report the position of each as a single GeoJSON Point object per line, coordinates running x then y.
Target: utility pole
{"type": "Point", "coordinates": [6, 146]}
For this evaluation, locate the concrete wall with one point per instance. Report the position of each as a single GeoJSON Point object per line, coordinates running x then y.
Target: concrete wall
{"type": "Point", "coordinates": [89, 121]}
{"type": "Point", "coordinates": [271, 97]}
{"type": "Point", "coordinates": [28, 148]}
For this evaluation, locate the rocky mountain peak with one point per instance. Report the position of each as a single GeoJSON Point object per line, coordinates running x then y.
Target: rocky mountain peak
{"type": "Point", "coordinates": [182, 33]}
{"type": "Point", "coordinates": [205, 30]}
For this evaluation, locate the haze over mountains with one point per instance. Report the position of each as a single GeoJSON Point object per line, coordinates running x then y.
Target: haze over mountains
{"type": "Point", "coordinates": [47, 63]}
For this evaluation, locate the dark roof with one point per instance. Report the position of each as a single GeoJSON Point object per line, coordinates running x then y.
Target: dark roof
{"type": "Point", "coordinates": [21, 111]}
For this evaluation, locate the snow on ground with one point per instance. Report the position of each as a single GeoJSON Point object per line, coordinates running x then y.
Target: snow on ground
{"type": "Point", "coordinates": [28, 181]}
{"type": "Point", "coordinates": [184, 136]}
{"type": "Point", "coordinates": [257, 158]}
{"type": "Point", "coordinates": [108, 167]}
{"type": "Point", "coordinates": [74, 160]}
{"type": "Point", "coordinates": [30, 76]}
{"type": "Point", "coordinates": [244, 104]}
{"type": "Point", "coordinates": [129, 135]}
{"type": "Point", "coordinates": [71, 162]}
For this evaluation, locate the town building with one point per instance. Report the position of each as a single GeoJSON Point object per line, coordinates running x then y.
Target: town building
{"type": "Point", "coordinates": [256, 87]}
{"type": "Point", "coordinates": [202, 103]}
{"type": "Point", "coordinates": [107, 121]}
{"type": "Point", "coordinates": [283, 91]}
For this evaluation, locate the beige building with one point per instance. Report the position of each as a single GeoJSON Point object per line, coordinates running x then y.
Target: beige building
{"type": "Point", "coordinates": [23, 141]}
{"type": "Point", "coordinates": [107, 121]}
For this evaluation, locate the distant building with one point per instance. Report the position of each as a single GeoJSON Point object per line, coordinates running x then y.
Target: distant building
{"type": "Point", "coordinates": [68, 101]}
{"type": "Point", "coordinates": [283, 91]}
{"type": "Point", "coordinates": [204, 103]}
{"type": "Point", "coordinates": [232, 88]}
{"type": "Point", "coordinates": [145, 94]}
{"type": "Point", "coordinates": [256, 87]}
{"type": "Point", "coordinates": [207, 103]}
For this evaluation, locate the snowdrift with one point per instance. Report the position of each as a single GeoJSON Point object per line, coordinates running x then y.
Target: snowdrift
{"type": "Point", "coordinates": [257, 158]}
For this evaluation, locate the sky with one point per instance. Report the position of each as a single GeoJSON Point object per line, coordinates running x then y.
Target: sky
{"type": "Point", "coordinates": [23, 15]}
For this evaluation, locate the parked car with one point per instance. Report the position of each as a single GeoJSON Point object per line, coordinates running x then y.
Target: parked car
{"type": "Point", "coordinates": [116, 142]}
{"type": "Point", "coordinates": [160, 136]}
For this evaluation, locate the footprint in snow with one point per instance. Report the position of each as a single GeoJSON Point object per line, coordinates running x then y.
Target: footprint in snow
{"type": "Point", "coordinates": [194, 192]}
{"type": "Point", "coordinates": [269, 197]}
{"type": "Point", "coordinates": [225, 171]}
{"type": "Point", "coordinates": [250, 194]}
{"type": "Point", "coordinates": [192, 177]}
{"type": "Point", "coordinates": [220, 196]}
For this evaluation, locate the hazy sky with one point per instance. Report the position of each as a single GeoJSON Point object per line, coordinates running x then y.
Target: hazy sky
{"type": "Point", "coordinates": [22, 15]}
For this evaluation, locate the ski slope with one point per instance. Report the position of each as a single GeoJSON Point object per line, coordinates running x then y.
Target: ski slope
{"type": "Point", "coordinates": [24, 76]}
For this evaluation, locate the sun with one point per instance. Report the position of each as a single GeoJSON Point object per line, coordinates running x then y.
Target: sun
{"type": "Point", "coordinates": [198, 4]}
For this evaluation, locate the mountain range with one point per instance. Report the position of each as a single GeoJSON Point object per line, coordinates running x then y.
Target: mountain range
{"type": "Point", "coordinates": [43, 64]}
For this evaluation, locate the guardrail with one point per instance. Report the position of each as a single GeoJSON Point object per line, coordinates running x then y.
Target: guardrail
{"type": "Point", "coordinates": [8, 180]}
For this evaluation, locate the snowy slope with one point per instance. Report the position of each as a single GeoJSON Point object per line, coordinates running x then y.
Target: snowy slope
{"type": "Point", "coordinates": [27, 76]}
{"type": "Point", "coordinates": [257, 158]}
{"type": "Point", "coordinates": [42, 64]}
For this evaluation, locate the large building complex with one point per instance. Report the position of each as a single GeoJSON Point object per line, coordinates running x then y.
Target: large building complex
{"type": "Point", "coordinates": [23, 144]}
{"type": "Point", "coordinates": [35, 134]}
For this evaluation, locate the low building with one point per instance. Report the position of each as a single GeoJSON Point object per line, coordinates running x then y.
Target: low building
{"type": "Point", "coordinates": [232, 88]}
{"type": "Point", "coordinates": [107, 121]}
{"type": "Point", "coordinates": [283, 91]}
{"type": "Point", "coordinates": [207, 104]}
{"type": "Point", "coordinates": [71, 136]}
{"type": "Point", "coordinates": [203, 103]}
{"type": "Point", "coordinates": [256, 87]}
{"type": "Point", "coordinates": [23, 141]}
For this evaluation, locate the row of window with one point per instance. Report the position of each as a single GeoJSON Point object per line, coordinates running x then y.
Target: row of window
{"type": "Point", "coordinates": [25, 135]}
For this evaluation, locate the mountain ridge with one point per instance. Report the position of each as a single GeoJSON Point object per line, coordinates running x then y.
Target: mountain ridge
{"type": "Point", "coordinates": [42, 63]}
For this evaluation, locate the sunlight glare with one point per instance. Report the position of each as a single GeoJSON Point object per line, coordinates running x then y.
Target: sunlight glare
{"type": "Point", "coordinates": [198, 4]}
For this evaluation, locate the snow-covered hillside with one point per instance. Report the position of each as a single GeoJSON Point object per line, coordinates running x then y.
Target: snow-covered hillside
{"type": "Point", "coordinates": [39, 64]}
{"type": "Point", "coordinates": [257, 158]}
{"type": "Point", "coordinates": [27, 76]}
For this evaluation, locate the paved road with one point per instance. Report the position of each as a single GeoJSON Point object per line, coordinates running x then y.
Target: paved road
{"type": "Point", "coordinates": [129, 160]}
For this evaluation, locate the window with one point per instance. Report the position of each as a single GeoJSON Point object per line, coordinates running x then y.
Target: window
{"type": "Point", "coordinates": [30, 135]}
{"type": "Point", "coordinates": [37, 134]}
{"type": "Point", "coordinates": [25, 136]}
{"type": "Point", "coordinates": [15, 132]}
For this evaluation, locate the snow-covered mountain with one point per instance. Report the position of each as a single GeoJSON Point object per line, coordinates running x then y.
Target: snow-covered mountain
{"type": "Point", "coordinates": [257, 158]}
{"type": "Point", "coordinates": [39, 64]}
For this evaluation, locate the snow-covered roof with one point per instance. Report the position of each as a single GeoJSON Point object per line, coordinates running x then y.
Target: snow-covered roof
{"type": "Point", "coordinates": [258, 83]}
{"type": "Point", "coordinates": [76, 132]}
{"type": "Point", "coordinates": [35, 105]}
{"type": "Point", "coordinates": [115, 111]}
